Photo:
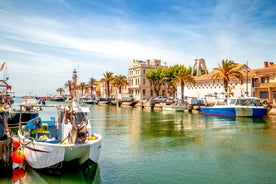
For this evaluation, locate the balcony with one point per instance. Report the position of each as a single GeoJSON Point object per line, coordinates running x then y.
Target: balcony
{"type": "Point", "coordinates": [270, 84]}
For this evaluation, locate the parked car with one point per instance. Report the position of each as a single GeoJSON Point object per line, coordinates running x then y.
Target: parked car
{"type": "Point", "coordinates": [160, 99]}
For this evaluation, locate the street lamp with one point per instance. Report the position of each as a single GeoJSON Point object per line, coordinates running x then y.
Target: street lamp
{"type": "Point", "coordinates": [246, 70]}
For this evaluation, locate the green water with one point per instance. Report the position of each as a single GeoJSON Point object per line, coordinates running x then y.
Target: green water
{"type": "Point", "coordinates": [144, 146]}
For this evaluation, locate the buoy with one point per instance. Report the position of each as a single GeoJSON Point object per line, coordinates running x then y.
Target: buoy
{"type": "Point", "coordinates": [16, 143]}
{"type": "Point", "coordinates": [18, 156]}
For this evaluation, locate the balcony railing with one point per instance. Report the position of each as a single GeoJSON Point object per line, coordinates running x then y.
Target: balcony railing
{"type": "Point", "coordinates": [270, 84]}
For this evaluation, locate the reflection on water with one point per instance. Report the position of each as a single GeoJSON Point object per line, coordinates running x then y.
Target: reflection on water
{"type": "Point", "coordinates": [71, 173]}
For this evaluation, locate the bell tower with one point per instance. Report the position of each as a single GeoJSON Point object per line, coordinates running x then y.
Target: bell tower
{"type": "Point", "coordinates": [198, 66]}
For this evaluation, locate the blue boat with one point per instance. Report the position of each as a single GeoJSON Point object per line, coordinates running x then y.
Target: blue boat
{"type": "Point", "coordinates": [236, 107]}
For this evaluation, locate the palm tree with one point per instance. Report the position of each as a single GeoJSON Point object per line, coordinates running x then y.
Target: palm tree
{"type": "Point", "coordinates": [119, 81]}
{"type": "Point", "coordinates": [108, 77]}
{"type": "Point", "coordinates": [184, 76]}
{"type": "Point", "coordinates": [68, 85]}
{"type": "Point", "coordinates": [91, 85]}
{"type": "Point", "coordinates": [82, 86]}
{"type": "Point", "coordinates": [225, 71]}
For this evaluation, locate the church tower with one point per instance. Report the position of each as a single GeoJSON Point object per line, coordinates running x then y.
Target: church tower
{"type": "Point", "coordinates": [198, 66]}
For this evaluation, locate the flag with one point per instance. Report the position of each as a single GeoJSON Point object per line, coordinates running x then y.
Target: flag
{"type": "Point", "coordinates": [2, 66]}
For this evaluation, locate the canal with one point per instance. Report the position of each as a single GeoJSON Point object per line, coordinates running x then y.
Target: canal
{"type": "Point", "coordinates": [146, 146]}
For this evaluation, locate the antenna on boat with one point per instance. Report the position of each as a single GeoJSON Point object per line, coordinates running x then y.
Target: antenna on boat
{"type": "Point", "coordinates": [1, 68]}
{"type": "Point", "coordinates": [5, 73]}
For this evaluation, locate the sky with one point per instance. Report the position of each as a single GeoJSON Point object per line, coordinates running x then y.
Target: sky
{"type": "Point", "coordinates": [42, 41]}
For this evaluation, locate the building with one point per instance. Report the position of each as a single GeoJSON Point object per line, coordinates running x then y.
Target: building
{"type": "Point", "coordinates": [264, 82]}
{"type": "Point", "coordinates": [257, 82]}
{"type": "Point", "coordinates": [138, 84]}
{"type": "Point", "coordinates": [205, 86]}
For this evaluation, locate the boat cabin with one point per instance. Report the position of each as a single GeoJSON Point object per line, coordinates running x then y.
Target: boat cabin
{"type": "Point", "coordinates": [244, 102]}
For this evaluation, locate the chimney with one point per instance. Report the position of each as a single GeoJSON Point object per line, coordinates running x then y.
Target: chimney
{"type": "Point", "coordinates": [265, 64]}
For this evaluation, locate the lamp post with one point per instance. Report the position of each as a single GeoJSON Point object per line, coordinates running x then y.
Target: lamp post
{"type": "Point", "coordinates": [246, 70]}
{"type": "Point", "coordinates": [246, 82]}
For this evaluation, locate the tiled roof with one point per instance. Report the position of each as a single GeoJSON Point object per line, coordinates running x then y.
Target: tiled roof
{"type": "Point", "coordinates": [271, 69]}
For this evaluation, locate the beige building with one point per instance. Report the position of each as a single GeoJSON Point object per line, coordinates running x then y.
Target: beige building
{"type": "Point", "coordinates": [264, 82]}
{"type": "Point", "coordinates": [138, 84]}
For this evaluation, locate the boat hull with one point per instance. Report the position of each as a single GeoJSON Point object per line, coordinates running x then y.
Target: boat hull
{"type": "Point", "coordinates": [41, 155]}
{"type": "Point", "coordinates": [174, 108]}
{"type": "Point", "coordinates": [254, 112]}
{"type": "Point", "coordinates": [129, 103]}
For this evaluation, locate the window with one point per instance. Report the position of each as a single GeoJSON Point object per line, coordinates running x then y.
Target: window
{"type": "Point", "coordinates": [265, 80]}
{"type": "Point", "coordinates": [263, 94]}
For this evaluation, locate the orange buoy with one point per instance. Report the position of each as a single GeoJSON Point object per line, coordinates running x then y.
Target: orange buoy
{"type": "Point", "coordinates": [18, 156]}
{"type": "Point", "coordinates": [16, 143]}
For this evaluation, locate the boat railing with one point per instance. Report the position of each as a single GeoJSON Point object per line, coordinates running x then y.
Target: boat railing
{"type": "Point", "coordinates": [35, 105]}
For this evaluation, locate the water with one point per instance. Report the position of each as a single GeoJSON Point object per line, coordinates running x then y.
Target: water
{"type": "Point", "coordinates": [144, 146]}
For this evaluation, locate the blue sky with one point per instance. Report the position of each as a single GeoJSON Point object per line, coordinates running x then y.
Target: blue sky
{"type": "Point", "coordinates": [44, 40]}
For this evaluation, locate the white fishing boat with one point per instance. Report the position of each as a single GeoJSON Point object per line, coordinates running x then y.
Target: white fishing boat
{"type": "Point", "coordinates": [177, 107]}
{"type": "Point", "coordinates": [48, 144]}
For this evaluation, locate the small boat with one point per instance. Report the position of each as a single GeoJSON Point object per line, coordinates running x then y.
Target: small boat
{"type": "Point", "coordinates": [236, 107]}
{"type": "Point", "coordinates": [128, 101]}
{"type": "Point", "coordinates": [48, 144]}
{"type": "Point", "coordinates": [177, 107]}
{"type": "Point", "coordinates": [104, 101]}
{"type": "Point", "coordinates": [25, 112]}
{"type": "Point", "coordinates": [57, 98]}
{"type": "Point", "coordinates": [87, 100]}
